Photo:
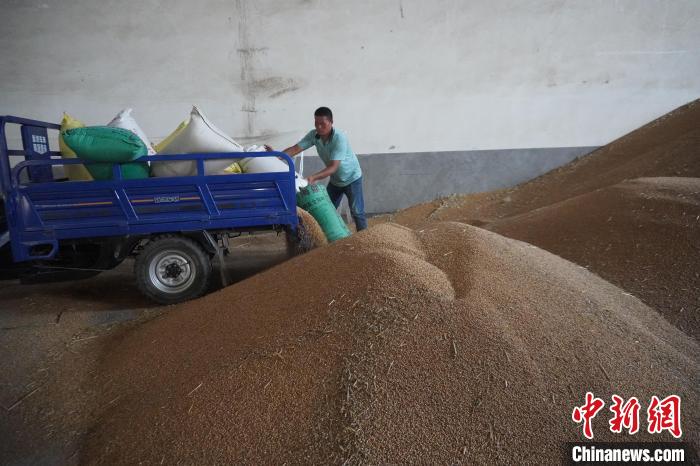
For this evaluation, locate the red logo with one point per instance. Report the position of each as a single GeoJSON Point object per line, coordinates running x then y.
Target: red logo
{"type": "Point", "coordinates": [665, 415]}
{"type": "Point", "coordinates": [587, 412]}
{"type": "Point", "coordinates": [661, 415]}
{"type": "Point", "coordinates": [625, 415]}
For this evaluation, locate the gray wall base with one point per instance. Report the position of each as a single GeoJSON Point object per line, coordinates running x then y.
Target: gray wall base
{"type": "Point", "coordinates": [397, 181]}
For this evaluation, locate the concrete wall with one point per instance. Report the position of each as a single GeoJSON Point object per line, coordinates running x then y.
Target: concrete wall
{"type": "Point", "coordinates": [396, 181]}
{"type": "Point", "coordinates": [402, 76]}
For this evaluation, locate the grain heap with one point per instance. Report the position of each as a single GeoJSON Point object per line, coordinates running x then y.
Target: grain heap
{"type": "Point", "coordinates": [665, 147]}
{"type": "Point", "coordinates": [630, 212]}
{"type": "Point", "coordinates": [313, 231]}
{"type": "Point", "coordinates": [443, 344]}
{"type": "Point", "coordinates": [642, 235]}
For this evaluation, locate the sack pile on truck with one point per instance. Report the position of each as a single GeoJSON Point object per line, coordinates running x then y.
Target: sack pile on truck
{"type": "Point", "coordinates": [123, 142]}
{"type": "Point", "coordinates": [195, 135]}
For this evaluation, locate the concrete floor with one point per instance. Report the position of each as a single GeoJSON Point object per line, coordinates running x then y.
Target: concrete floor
{"type": "Point", "coordinates": [51, 337]}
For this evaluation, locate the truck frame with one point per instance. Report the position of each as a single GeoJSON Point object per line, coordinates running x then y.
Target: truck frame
{"type": "Point", "coordinates": [56, 229]}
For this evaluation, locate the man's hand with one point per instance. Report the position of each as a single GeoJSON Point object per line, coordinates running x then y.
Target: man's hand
{"type": "Point", "coordinates": [325, 173]}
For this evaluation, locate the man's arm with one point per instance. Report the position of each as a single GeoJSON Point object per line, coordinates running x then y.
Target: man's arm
{"type": "Point", "coordinates": [290, 151]}
{"type": "Point", "coordinates": [326, 172]}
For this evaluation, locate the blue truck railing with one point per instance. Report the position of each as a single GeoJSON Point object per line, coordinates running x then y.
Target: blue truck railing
{"type": "Point", "coordinates": [40, 211]}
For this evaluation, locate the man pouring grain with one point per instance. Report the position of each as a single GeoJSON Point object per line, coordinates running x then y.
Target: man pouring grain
{"type": "Point", "coordinates": [341, 164]}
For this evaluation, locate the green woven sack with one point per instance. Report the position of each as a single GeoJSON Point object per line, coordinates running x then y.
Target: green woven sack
{"type": "Point", "coordinates": [130, 171]}
{"type": "Point", "coordinates": [314, 199]}
{"type": "Point", "coordinates": [104, 144]}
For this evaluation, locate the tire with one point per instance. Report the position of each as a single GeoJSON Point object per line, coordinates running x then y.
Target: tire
{"type": "Point", "coordinates": [172, 269]}
{"type": "Point", "coordinates": [9, 270]}
{"type": "Point", "coordinates": [299, 241]}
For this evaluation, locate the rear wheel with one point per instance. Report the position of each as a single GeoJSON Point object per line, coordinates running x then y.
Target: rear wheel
{"type": "Point", "coordinates": [172, 269]}
{"type": "Point", "coordinates": [9, 270]}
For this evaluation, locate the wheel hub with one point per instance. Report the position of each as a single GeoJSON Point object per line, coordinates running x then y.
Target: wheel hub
{"type": "Point", "coordinates": [171, 272]}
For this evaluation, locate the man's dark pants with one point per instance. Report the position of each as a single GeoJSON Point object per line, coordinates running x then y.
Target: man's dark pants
{"type": "Point", "coordinates": [357, 203]}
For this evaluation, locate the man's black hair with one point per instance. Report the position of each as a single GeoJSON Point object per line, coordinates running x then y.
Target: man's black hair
{"type": "Point", "coordinates": [324, 112]}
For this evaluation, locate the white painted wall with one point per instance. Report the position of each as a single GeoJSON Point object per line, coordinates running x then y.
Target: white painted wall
{"type": "Point", "coordinates": [400, 75]}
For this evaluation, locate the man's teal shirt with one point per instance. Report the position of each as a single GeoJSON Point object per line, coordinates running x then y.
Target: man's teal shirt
{"type": "Point", "coordinates": [337, 148]}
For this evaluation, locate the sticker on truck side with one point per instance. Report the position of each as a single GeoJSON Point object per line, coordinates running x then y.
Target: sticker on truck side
{"type": "Point", "coordinates": [162, 199]}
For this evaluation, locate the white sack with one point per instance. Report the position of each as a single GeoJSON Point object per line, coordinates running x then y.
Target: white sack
{"type": "Point", "coordinates": [263, 165]}
{"type": "Point", "coordinates": [124, 120]}
{"type": "Point", "coordinates": [199, 136]}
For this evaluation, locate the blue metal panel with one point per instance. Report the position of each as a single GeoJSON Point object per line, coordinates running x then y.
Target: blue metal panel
{"type": "Point", "coordinates": [35, 141]}
{"type": "Point", "coordinates": [45, 212]}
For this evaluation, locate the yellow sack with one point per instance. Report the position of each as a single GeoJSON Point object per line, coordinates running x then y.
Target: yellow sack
{"type": "Point", "coordinates": [74, 172]}
{"type": "Point", "coordinates": [168, 139]}
{"type": "Point", "coordinates": [233, 168]}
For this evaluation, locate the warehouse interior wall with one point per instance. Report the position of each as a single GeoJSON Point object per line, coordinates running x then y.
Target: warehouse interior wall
{"type": "Point", "coordinates": [436, 97]}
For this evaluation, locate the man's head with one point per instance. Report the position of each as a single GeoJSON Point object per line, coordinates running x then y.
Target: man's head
{"type": "Point", "coordinates": [323, 121]}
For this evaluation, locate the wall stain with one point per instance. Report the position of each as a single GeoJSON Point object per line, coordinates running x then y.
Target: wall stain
{"type": "Point", "coordinates": [247, 54]}
{"type": "Point", "coordinates": [271, 83]}
{"type": "Point", "coordinates": [253, 86]}
{"type": "Point", "coordinates": [274, 95]}
{"type": "Point", "coordinates": [252, 50]}
{"type": "Point", "coordinates": [276, 86]}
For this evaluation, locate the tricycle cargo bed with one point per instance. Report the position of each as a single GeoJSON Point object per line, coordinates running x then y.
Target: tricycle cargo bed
{"type": "Point", "coordinates": [42, 211]}
{"type": "Point", "coordinates": [56, 229]}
